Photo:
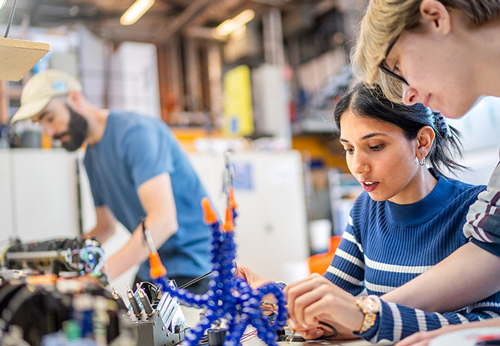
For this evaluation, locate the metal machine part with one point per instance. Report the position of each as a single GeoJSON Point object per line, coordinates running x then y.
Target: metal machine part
{"type": "Point", "coordinates": [53, 289]}
{"type": "Point", "coordinates": [62, 309]}
{"type": "Point", "coordinates": [69, 256]}
{"type": "Point", "coordinates": [162, 323]}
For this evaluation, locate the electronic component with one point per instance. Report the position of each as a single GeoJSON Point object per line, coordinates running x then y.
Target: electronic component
{"type": "Point", "coordinates": [59, 283]}
{"type": "Point", "coordinates": [35, 308]}
{"type": "Point", "coordinates": [157, 322]}
{"type": "Point", "coordinates": [73, 257]}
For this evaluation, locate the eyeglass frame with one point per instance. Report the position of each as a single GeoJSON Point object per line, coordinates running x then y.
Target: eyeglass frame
{"type": "Point", "coordinates": [388, 70]}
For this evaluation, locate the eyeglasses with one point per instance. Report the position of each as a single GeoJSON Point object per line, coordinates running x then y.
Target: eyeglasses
{"type": "Point", "coordinates": [384, 67]}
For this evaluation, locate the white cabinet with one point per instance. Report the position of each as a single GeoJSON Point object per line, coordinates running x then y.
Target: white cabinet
{"type": "Point", "coordinates": [39, 197]}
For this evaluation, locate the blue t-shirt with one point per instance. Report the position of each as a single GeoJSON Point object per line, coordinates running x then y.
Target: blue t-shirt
{"type": "Point", "coordinates": [132, 150]}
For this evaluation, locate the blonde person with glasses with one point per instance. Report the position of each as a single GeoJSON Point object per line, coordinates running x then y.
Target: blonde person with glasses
{"type": "Point", "coordinates": [446, 55]}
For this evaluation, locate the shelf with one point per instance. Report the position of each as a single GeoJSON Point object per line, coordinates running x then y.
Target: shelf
{"type": "Point", "coordinates": [344, 189]}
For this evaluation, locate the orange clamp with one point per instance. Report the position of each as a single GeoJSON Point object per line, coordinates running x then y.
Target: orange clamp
{"type": "Point", "coordinates": [229, 224]}
{"type": "Point", "coordinates": [210, 216]}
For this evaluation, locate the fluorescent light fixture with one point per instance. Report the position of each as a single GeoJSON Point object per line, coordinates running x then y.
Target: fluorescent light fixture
{"type": "Point", "coordinates": [136, 11]}
{"type": "Point", "coordinates": [230, 25]}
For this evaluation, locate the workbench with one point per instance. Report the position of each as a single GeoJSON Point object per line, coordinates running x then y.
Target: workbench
{"type": "Point", "coordinates": [192, 318]}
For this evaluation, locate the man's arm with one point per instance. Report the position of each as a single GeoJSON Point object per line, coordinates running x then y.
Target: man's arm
{"type": "Point", "coordinates": [105, 226]}
{"type": "Point", "coordinates": [467, 276]}
{"type": "Point", "coordinates": [157, 199]}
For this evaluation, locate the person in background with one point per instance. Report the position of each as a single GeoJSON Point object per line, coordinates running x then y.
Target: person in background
{"type": "Point", "coordinates": [137, 171]}
{"type": "Point", "coordinates": [408, 219]}
{"type": "Point", "coordinates": [445, 55]}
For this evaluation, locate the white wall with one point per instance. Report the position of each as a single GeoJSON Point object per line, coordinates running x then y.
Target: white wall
{"type": "Point", "coordinates": [129, 74]}
{"type": "Point", "coordinates": [271, 102]}
{"type": "Point", "coordinates": [93, 54]}
{"type": "Point", "coordinates": [136, 83]}
{"type": "Point", "coordinates": [40, 197]}
{"type": "Point", "coordinates": [271, 229]}
{"type": "Point", "coordinates": [6, 197]}
{"type": "Point", "coordinates": [480, 129]}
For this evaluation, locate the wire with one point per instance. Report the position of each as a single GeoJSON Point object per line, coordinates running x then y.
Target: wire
{"type": "Point", "coordinates": [332, 328]}
{"type": "Point", "coordinates": [248, 336]}
{"type": "Point", "coordinates": [195, 280]}
{"type": "Point", "coordinates": [11, 18]}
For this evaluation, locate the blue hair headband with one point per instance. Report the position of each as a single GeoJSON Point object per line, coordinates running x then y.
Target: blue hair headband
{"type": "Point", "coordinates": [442, 125]}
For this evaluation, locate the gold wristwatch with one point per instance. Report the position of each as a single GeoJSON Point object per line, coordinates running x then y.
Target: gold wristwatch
{"type": "Point", "coordinates": [370, 309]}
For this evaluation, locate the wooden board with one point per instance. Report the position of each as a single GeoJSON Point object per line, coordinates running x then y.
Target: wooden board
{"type": "Point", "coordinates": [18, 56]}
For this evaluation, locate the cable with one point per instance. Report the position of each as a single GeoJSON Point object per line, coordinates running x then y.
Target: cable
{"type": "Point", "coordinates": [11, 18]}
{"type": "Point", "coordinates": [332, 328]}
{"type": "Point", "coordinates": [195, 280]}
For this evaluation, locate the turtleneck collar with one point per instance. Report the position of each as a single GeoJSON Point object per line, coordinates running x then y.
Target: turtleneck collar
{"type": "Point", "coordinates": [415, 214]}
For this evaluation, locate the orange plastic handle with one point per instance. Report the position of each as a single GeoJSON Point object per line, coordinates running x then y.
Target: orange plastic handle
{"type": "Point", "coordinates": [157, 268]}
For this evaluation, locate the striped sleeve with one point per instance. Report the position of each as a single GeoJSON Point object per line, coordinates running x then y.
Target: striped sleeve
{"type": "Point", "coordinates": [396, 322]}
{"type": "Point", "coordinates": [483, 219]}
{"type": "Point", "coordinates": [348, 267]}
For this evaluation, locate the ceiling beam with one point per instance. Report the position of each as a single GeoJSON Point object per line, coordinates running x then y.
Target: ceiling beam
{"type": "Point", "coordinates": [164, 35]}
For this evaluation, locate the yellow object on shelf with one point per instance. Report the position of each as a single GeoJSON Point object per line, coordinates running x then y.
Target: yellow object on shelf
{"type": "Point", "coordinates": [238, 113]}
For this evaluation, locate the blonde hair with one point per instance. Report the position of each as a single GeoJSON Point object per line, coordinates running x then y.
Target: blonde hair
{"type": "Point", "coordinates": [385, 20]}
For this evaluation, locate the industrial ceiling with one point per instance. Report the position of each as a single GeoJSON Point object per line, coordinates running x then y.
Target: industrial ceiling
{"type": "Point", "coordinates": [159, 24]}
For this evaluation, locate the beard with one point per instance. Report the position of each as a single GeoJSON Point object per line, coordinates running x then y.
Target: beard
{"type": "Point", "coordinates": [77, 131]}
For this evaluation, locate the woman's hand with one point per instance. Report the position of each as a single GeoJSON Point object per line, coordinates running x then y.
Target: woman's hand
{"type": "Point", "coordinates": [254, 280]}
{"type": "Point", "coordinates": [423, 338]}
{"type": "Point", "coordinates": [325, 332]}
{"type": "Point", "coordinates": [316, 299]}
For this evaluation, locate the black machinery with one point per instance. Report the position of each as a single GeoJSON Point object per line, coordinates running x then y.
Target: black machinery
{"type": "Point", "coordinates": [54, 291]}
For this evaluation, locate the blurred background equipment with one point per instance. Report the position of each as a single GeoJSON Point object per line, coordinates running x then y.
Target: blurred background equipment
{"type": "Point", "coordinates": [62, 257]}
{"type": "Point", "coordinates": [53, 293]}
{"type": "Point", "coordinates": [55, 289]}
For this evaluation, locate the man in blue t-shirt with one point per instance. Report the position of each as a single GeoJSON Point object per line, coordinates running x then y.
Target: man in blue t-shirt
{"type": "Point", "coordinates": [137, 170]}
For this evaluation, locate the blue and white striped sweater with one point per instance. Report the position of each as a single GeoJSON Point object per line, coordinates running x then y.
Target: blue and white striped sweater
{"type": "Point", "coordinates": [386, 245]}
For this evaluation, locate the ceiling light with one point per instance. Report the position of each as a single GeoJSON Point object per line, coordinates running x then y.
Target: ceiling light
{"type": "Point", "coordinates": [230, 25]}
{"type": "Point", "coordinates": [136, 11]}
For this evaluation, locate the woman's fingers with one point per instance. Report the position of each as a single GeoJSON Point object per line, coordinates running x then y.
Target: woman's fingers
{"type": "Point", "coordinates": [253, 279]}
{"type": "Point", "coordinates": [311, 334]}
{"type": "Point", "coordinates": [423, 338]}
{"type": "Point", "coordinates": [317, 299]}
{"type": "Point", "coordinates": [300, 295]}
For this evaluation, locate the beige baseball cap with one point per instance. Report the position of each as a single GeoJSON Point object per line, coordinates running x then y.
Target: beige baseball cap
{"type": "Point", "coordinates": [41, 88]}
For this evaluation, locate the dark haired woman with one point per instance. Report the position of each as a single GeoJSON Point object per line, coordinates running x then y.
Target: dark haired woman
{"type": "Point", "coordinates": [408, 219]}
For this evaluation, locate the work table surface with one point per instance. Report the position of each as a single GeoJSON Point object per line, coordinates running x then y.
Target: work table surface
{"type": "Point", "coordinates": [193, 316]}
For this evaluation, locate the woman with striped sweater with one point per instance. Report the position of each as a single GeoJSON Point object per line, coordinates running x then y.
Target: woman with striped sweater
{"type": "Point", "coordinates": [409, 218]}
